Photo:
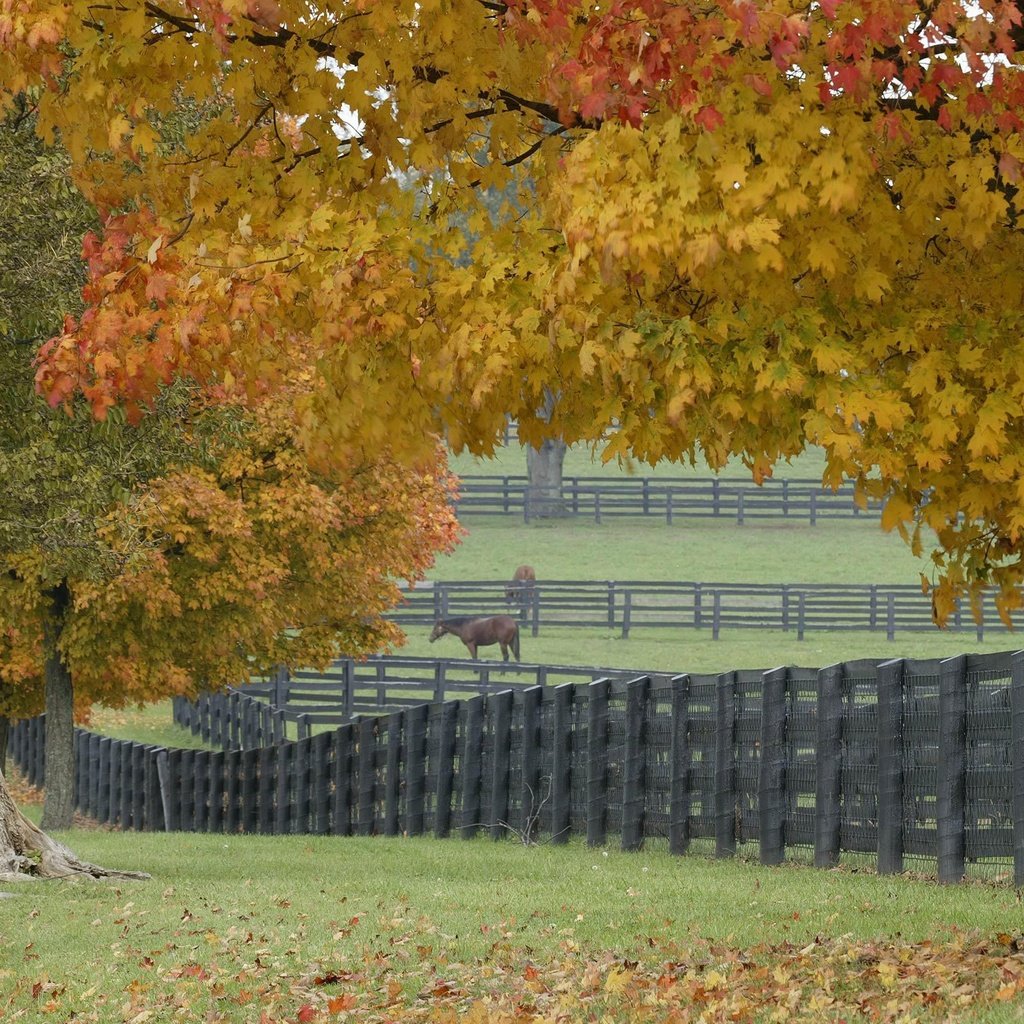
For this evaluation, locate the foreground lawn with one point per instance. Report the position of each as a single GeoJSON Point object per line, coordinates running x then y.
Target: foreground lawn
{"type": "Point", "coordinates": [262, 929]}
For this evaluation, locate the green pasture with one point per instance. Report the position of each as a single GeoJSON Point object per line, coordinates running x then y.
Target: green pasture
{"type": "Point", "coordinates": [845, 551]}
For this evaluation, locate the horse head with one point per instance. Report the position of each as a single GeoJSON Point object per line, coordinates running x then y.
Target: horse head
{"type": "Point", "coordinates": [438, 630]}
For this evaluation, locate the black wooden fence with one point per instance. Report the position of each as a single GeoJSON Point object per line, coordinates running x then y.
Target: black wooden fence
{"type": "Point", "coordinates": [903, 758]}
{"type": "Point", "coordinates": [601, 498]}
{"type": "Point", "coordinates": [623, 606]}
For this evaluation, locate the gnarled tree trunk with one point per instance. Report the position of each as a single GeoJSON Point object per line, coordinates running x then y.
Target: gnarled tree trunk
{"type": "Point", "coordinates": [59, 807]}
{"type": "Point", "coordinates": [544, 468]}
{"type": "Point", "coordinates": [27, 852]}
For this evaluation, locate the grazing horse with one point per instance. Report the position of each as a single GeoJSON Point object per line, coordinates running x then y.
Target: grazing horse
{"type": "Point", "coordinates": [477, 632]}
{"type": "Point", "coordinates": [521, 589]}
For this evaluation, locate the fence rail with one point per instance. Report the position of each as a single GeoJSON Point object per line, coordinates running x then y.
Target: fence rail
{"type": "Point", "coordinates": [602, 498]}
{"type": "Point", "coordinates": [903, 758]}
{"type": "Point", "coordinates": [624, 606]}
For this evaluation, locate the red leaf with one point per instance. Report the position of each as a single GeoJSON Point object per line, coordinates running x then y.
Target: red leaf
{"type": "Point", "coordinates": [709, 118]}
{"type": "Point", "coordinates": [306, 1013]}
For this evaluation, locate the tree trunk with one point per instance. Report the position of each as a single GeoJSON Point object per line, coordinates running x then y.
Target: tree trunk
{"type": "Point", "coordinates": [59, 768]}
{"type": "Point", "coordinates": [544, 469]}
{"type": "Point", "coordinates": [27, 852]}
{"type": "Point", "coordinates": [5, 732]}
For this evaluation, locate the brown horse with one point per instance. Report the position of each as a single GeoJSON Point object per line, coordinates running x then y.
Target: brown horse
{"type": "Point", "coordinates": [477, 632]}
{"type": "Point", "coordinates": [522, 587]}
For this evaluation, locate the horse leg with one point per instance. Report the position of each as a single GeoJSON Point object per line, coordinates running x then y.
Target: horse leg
{"type": "Point", "coordinates": [515, 644]}
{"type": "Point", "coordinates": [471, 647]}
{"type": "Point", "coordinates": [504, 650]}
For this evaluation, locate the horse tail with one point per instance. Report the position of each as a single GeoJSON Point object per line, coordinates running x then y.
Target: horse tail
{"type": "Point", "coordinates": [515, 643]}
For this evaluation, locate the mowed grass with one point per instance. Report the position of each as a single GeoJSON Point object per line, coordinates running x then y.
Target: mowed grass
{"type": "Point", "coordinates": [311, 928]}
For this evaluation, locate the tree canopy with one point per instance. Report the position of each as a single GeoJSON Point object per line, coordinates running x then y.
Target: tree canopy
{"type": "Point", "coordinates": [751, 226]}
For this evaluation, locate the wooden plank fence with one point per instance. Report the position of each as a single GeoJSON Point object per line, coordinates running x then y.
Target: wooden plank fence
{"type": "Point", "coordinates": [603, 498]}
{"type": "Point", "coordinates": [799, 608]}
{"type": "Point", "coordinates": [905, 759]}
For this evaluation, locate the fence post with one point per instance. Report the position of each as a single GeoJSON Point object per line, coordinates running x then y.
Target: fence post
{"type": "Point", "coordinates": [266, 762]}
{"type": "Point", "coordinates": [341, 811]}
{"type": "Point", "coordinates": [890, 616]}
{"type": "Point", "coordinates": [801, 615]}
{"type": "Point", "coordinates": [446, 738]}
{"type": "Point", "coordinates": [348, 674]}
{"type": "Point", "coordinates": [610, 586]}
{"type": "Point", "coordinates": [535, 610]}
{"type": "Point", "coordinates": [627, 613]}
{"type": "Point", "coordinates": [890, 767]}
{"type": "Point", "coordinates": [597, 761]}
{"type": "Point", "coordinates": [1017, 761]}
{"type": "Point", "coordinates": [103, 780]}
{"type": "Point", "coordinates": [531, 799]}
{"type": "Point", "coordinates": [952, 773]}
{"type": "Point", "coordinates": [679, 760]}
{"type": "Point", "coordinates": [393, 777]}
{"type": "Point", "coordinates": [739, 509]}
{"type": "Point", "coordinates": [167, 803]}
{"type": "Point", "coordinates": [716, 616]}
{"type": "Point", "coordinates": [281, 681]}
{"type": "Point", "coordinates": [634, 782]}
{"type": "Point", "coordinates": [439, 680]}
{"type": "Point", "coordinates": [215, 791]}
{"type": "Point", "coordinates": [668, 506]}
{"type": "Point", "coordinates": [416, 772]}
{"type": "Point", "coordinates": [814, 508]}
{"type": "Point", "coordinates": [561, 762]}
{"type": "Point", "coordinates": [250, 809]}
{"type": "Point", "coordinates": [320, 783]}
{"type": "Point", "coordinates": [725, 768]}
{"type": "Point", "coordinates": [302, 776]}
{"type": "Point", "coordinates": [828, 754]}
{"type": "Point", "coordinates": [232, 778]}
{"type": "Point", "coordinates": [137, 788]}
{"type": "Point", "coordinates": [200, 789]}
{"type": "Point", "coordinates": [771, 788]}
{"type": "Point", "coordinates": [367, 774]}
{"type": "Point", "coordinates": [472, 765]}
{"type": "Point", "coordinates": [501, 723]}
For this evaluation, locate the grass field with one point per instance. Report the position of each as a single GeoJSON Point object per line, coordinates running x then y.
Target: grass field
{"type": "Point", "coordinates": [287, 929]}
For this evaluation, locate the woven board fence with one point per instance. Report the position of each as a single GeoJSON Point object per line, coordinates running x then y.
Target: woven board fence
{"type": "Point", "coordinates": [904, 759]}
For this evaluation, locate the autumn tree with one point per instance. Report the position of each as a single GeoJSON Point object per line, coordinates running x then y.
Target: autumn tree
{"type": "Point", "coordinates": [183, 552]}
{"type": "Point", "coordinates": [753, 226]}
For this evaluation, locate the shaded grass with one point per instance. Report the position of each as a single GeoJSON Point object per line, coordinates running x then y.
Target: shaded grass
{"type": "Point", "coordinates": [151, 724]}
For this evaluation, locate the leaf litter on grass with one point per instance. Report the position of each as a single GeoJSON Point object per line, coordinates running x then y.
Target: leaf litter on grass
{"type": "Point", "coordinates": [398, 976]}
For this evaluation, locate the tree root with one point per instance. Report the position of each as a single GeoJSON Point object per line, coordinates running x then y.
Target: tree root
{"type": "Point", "coordinates": [27, 852]}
